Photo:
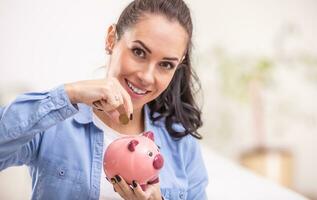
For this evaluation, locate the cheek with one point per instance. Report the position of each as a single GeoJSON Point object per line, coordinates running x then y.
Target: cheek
{"type": "Point", "coordinates": [162, 83]}
{"type": "Point", "coordinates": [127, 66]}
{"type": "Point", "coordinates": [122, 64]}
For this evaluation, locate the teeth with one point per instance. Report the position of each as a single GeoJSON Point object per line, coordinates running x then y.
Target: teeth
{"type": "Point", "coordinates": [134, 89]}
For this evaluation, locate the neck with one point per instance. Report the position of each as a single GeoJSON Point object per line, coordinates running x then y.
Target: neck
{"type": "Point", "coordinates": [134, 127]}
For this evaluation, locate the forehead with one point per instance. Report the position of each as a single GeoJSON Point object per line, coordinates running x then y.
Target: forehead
{"type": "Point", "coordinates": [159, 34]}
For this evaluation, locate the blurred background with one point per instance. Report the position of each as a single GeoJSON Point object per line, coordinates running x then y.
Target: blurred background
{"type": "Point", "coordinates": [257, 61]}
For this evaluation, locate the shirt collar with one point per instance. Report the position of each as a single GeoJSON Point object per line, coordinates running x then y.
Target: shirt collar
{"type": "Point", "coordinates": [84, 116]}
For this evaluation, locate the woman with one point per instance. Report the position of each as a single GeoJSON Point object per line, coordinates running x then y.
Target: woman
{"type": "Point", "coordinates": [62, 134]}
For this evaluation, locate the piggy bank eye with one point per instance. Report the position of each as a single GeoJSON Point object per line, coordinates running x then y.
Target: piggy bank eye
{"type": "Point", "coordinates": [150, 153]}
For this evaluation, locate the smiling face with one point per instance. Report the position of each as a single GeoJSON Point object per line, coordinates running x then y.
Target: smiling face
{"type": "Point", "coordinates": [146, 57]}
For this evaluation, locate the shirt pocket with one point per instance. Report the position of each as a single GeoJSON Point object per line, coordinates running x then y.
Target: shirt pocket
{"type": "Point", "coordinates": [174, 193]}
{"type": "Point", "coordinates": [58, 180]}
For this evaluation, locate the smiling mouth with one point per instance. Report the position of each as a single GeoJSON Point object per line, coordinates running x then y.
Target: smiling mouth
{"type": "Point", "coordinates": [135, 89]}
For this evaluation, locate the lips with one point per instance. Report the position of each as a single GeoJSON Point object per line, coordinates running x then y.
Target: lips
{"type": "Point", "coordinates": [136, 90]}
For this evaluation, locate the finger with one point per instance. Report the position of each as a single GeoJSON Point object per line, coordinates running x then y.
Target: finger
{"type": "Point", "coordinates": [112, 102]}
{"type": "Point", "coordinates": [114, 115]}
{"type": "Point", "coordinates": [119, 98]}
{"type": "Point", "coordinates": [138, 191]}
{"type": "Point", "coordinates": [127, 102]}
{"type": "Point", "coordinates": [123, 188]}
{"type": "Point", "coordinates": [124, 117]}
{"type": "Point", "coordinates": [117, 188]}
{"type": "Point", "coordinates": [97, 105]}
{"type": "Point", "coordinates": [153, 190]}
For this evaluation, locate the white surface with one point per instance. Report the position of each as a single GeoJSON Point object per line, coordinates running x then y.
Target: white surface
{"type": "Point", "coordinates": [229, 181]}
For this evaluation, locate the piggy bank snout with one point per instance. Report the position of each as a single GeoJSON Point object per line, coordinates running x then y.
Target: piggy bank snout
{"type": "Point", "coordinates": [158, 161]}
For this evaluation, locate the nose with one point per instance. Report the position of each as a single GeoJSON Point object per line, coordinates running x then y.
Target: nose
{"type": "Point", "coordinates": [158, 161]}
{"type": "Point", "coordinates": [147, 76]}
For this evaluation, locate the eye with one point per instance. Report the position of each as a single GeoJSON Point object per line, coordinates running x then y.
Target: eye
{"type": "Point", "coordinates": [150, 153]}
{"type": "Point", "coordinates": [138, 52]}
{"type": "Point", "coordinates": [167, 65]}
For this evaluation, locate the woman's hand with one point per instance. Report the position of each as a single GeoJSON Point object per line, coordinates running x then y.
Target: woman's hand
{"type": "Point", "coordinates": [104, 94]}
{"type": "Point", "coordinates": [135, 191]}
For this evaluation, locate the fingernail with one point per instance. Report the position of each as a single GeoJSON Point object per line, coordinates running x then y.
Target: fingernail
{"type": "Point", "coordinates": [113, 181]}
{"type": "Point", "coordinates": [117, 178]}
{"type": "Point", "coordinates": [134, 184]}
{"type": "Point", "coordinates": [131, 116]}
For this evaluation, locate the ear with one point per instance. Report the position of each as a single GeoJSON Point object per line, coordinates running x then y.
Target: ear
{"type": "Point", "coordinates": [111, 38]}
{"type": "Point", "coordinates": [132, 144]}
{"type": "Point", "coordinates": [149, 134]}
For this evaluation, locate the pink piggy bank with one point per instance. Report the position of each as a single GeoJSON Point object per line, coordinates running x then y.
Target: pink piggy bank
{"type": "Point", "coordinates": [134, 158]}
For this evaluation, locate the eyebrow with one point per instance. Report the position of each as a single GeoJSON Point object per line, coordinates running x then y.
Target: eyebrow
{"type": "Point", "coordinates": [149, 51]}
{"type": "Point", "coordinates": [168, 58]}
{"type": "Point", "coordinates": [143, 45]}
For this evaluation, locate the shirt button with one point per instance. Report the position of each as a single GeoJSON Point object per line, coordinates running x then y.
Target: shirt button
{"type": "Point", "coordinates": [61, 172]}
{"type": "Point", "coordinates": [61, 102]}
{"type": "Point", "coordinates": [181, 195]}
{"type": "Point", "coordinates": [50, 105]}
{"type": "Point", "coordinates": [68, 111]}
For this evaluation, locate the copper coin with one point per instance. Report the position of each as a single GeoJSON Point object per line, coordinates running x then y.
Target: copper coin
{"type": "Point", "coordinates": [124, 119]}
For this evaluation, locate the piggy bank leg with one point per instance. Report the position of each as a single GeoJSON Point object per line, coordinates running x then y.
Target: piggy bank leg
{"type": "Point", "coordinates": [154, 181]}
{"type": "Point", "coordinates": [144, 187]}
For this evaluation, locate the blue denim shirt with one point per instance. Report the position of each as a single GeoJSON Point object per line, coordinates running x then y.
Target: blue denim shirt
{"type": "Point", "coordinates": [63, 149]}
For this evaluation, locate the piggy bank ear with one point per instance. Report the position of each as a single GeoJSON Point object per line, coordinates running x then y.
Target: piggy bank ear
{"type": "Point", "coordinates": [149, 134]}
{"type": "Point", "coordinates": [132, 144]}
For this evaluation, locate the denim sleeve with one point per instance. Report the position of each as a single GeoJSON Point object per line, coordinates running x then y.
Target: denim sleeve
{"type": "Point", "coordinates": [23, 121]}
{"type": "Point", "coordinates": [196, 171]}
